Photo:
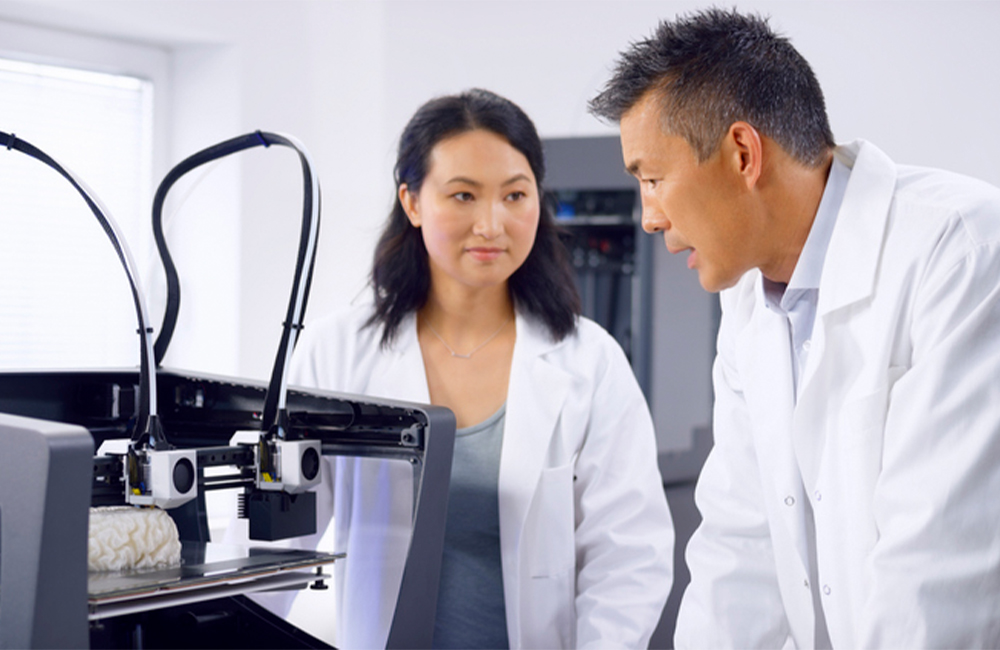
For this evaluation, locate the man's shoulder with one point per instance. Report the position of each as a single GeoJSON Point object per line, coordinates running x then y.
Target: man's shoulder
{"type": "Point", "coordinates": [951, 200]}
{"type": "Point", "coordinates": [922, 196]}
{"type": "Point", "coordinates": [943, 186]}
{"type": "Point", "coordinates": [933, 219]}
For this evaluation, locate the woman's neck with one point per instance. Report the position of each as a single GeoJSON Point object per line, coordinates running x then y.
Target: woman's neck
{"type": "Point", "coordinates": [464, 316]}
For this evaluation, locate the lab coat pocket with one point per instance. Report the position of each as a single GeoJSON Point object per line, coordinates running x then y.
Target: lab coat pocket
{"type": "Point", "coordinates": [549, 529]}
{"type": "Point", "coordinates": [861, 415]}
{"type": "Point", "coordinates": [862, 427]}
{"type": "Point", "coordinates": [548, 611]}
{"type": "Point", "coordinates": [860, 436]}
{"type": "Point", "coordinates": [866, 415]}
{"type": "Point", "coordinates": [549, 552]}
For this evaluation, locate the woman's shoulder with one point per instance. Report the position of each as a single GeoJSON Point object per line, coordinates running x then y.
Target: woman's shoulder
{"type": "Point", "coordinates": [340, 334]}
{"type": "Point", "coordinates": [588, 346]}
{"type": "Point", "coordinates": [588, 331]}
{"type": "Point", "coordinates": [336, 350]}
{"type": "Point", "coordinates": [345, 321]}
{"type": "Point", "coordinates": [591, 336]}
{"type": "Point", "coordinates": [599, 372]}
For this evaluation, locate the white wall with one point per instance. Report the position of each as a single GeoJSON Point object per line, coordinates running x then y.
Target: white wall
{"type": "Point", "coordinates": [918, 78]}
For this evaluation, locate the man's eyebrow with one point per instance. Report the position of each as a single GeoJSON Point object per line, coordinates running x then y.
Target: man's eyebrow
{"type": "Point", "coordinates": [633, 168]}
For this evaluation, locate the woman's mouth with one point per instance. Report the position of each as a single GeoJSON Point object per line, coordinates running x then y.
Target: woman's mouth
{"type": "Point", "coordinates": [484, 253]}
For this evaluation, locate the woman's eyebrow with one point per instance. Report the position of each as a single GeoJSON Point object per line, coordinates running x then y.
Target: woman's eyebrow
{"type": "Point", "coordinates": [517, 178]}
{"type": "Point", "coordinates": [463, 179]}
{"type": "Point", "coordinates": [468, 181]}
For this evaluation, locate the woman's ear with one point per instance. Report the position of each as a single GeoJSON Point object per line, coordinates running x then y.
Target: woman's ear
{"type": "Point", "coordinates": [409, 202]}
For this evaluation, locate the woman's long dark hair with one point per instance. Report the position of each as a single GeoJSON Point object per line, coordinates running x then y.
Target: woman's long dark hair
{"type": "Point", "coordinates": [543, 286]}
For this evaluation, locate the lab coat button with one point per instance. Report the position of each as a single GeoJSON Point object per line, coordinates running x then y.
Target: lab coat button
{"type": "Point", "coordinates": [805, 583]}
{"type": "Point", "coordinates": [789, 501]}
{"type": "Point", "coordinates": [806, 345]}
{"type": "Point", "coordinates": [818, 495]}
{"type": "Point", "coordinates": [826, 589]}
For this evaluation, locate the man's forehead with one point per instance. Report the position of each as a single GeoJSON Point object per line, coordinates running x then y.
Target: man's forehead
{"type": "Point", "coordinates": [639, 151]}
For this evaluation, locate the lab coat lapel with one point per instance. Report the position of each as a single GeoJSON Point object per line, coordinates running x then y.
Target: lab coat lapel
{"type": "Point", "coordinates": [535, 397]}
{"type": "Point", "coordinates": [764, 357]}
{"type": "Point", "coordinates": [856, 242]}
{"type": "Point", "coordinates": [849, 275]}
{"type": "Point", "coordinates": [400, 370]}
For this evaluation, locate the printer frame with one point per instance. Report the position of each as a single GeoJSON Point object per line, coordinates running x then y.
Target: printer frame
{"type": "Point", "coordinates": [50, 422]}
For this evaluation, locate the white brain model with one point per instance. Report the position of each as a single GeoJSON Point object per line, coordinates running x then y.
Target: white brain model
{"type": "Point", "coordinates": [126, 537]}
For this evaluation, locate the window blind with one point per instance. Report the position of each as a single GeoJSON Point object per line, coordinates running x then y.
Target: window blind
{"type": "Point", "coordinates": [64, 298]}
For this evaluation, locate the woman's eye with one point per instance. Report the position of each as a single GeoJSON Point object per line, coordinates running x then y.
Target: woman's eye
{"type": "Point", "coordinates": [463, 196]}
{"type": "Point", "coordinates": [516, 196]}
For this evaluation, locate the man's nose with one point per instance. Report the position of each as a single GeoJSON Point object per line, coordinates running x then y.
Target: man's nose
{"type": "Point", "coordinates": [654, 219]}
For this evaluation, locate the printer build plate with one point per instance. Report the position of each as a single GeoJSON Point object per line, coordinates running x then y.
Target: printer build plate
{"type": "Point", "coordinates": [207, 571]}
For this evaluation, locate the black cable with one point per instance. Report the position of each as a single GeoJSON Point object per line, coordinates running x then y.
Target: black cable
{"type": "Point", "coordinates": [147, 425]}
{"type": "Point", "coordinates": [274, 399]}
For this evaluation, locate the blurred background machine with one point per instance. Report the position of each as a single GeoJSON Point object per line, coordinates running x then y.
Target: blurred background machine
{"type": "Point", "coordinates": [597, 205]}
{"type": "Point", "coordinates": [654, 307]}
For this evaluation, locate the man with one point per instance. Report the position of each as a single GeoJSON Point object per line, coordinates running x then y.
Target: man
{"type": "Point", "coordinates": [852, 496]}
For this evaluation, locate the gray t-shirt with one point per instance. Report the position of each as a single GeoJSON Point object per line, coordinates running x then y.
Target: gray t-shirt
{"type": "Point", "coordinates": [470, 610]}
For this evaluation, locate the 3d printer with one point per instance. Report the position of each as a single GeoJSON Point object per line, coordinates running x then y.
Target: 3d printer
{"type": "Point", "coordinates": [176, 425]}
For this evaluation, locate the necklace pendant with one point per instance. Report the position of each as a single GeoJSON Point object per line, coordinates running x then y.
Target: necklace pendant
{"type": "Point", "coordinates": [474, 350]}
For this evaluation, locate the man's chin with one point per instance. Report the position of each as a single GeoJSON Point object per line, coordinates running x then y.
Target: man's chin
{"type": "Point", "coordinates": [713, 284]}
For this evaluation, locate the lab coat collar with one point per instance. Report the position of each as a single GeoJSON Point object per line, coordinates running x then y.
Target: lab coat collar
{"type": "Point", "coordinates": [856, 243]}
{"type": "Point", "coordinates": [849, 276]}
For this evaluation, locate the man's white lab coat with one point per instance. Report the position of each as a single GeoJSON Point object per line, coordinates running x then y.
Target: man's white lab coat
{"type": "Point", "coordinates": [585, 532]}
{"type": "Point", "coordinates": [895, 439]}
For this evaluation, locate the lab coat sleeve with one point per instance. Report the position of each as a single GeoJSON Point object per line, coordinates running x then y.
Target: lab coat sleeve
{"type": "Point", "coordinates": [733, 599]}
{"type": "Point", "coordinates": [934, 573]}
{"type": "Point", "coordinates": [624, 534]}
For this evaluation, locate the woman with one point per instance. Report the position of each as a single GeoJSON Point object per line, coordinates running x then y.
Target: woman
{"type": "Point", "coordinates": [558, 532]}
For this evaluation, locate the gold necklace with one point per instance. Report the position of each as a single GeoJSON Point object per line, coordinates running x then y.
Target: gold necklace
{"type": "Point", "coordinates": [475, 349]}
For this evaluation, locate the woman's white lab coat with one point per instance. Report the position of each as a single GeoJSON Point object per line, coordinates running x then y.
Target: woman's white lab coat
{"type": "Point", "coordinates": [894, 441]}
{"type": "Point", "coordinates": [585, 532]}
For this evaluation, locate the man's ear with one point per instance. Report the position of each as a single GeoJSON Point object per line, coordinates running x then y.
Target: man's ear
{"type": "Point", "coordinates": [744, 149]}
{"type": "Point", "coordinates": [409, 202]}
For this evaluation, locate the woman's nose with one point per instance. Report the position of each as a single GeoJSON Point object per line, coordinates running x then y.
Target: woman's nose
{"type": "Point", "coordinates": [488, 222]}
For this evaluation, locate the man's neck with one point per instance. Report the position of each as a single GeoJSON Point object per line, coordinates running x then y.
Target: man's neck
{"type": "Point", "coordinates": [793, 192]}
